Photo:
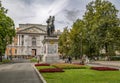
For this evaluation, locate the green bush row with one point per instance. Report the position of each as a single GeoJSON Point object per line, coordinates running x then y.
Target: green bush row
{"type": "Point", "coordinates": [6, 61]}
{"type": "Point", "coordinates": [115, 58]}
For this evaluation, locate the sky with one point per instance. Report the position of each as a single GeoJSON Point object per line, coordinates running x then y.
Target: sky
{"type": "Point", "coordinates": [38, 11]}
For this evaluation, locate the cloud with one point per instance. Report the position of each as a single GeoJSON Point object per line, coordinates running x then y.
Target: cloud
{"type": "Point", "coordinates": [57, 6]}
{"type": "Point", "coordinates": [19, 11]}
{"type": "Point", "coordinates": [72, 15]}
{"type": "Point", "coordinates": [37, 11]}
{"type": "Point", "coordinates": [33, 11]}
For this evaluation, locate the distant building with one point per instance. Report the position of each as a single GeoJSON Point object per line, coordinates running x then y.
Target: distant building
{"type": "Point", "coordinates": [28, 40]}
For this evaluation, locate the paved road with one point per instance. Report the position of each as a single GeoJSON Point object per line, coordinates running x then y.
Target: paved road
{"type": "Point", "coordinates": [18, 73]}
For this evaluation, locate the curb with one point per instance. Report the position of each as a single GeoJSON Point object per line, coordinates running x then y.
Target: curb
{"type": "Point", "coordinates": [40, 76]}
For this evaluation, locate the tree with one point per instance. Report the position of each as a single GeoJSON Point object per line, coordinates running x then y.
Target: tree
{"type": "Point", "coordinates": [99, 29]}
{"type": "Point", "coordinates": [7, 30]}
{"type": "Point", "coordinates": [76, 37]}
{"type": "Point", "coordinates": [64, 42]}
{"type": "Point", "coordinates": [102, 22]}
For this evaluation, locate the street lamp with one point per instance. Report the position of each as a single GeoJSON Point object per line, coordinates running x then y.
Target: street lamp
{"type": "Point", "coordinates": [81, 43]}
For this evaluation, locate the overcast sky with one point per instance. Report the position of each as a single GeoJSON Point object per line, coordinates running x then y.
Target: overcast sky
{"type": "Point", "coordinates": [37, 11]}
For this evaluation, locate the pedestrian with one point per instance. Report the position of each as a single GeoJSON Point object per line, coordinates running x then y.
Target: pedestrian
{"type": "Point", "coordinates": [38, 59]}
{"type": "Point", "coordinates": [69, 59]}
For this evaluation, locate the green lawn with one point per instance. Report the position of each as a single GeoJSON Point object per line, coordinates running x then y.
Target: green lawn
{"type": "Point", "coordinates": [43, 67]}
{"type": "Point", "coordinates": [82, 76]}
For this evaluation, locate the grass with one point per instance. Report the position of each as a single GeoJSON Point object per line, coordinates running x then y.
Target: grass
{"type": "Point", "coordinates": [33, 60]}
{"type": "Point", "coordinates": [43, 67]}
{"type": "Point", "coordinates": [83, 76]}
{"type": "Point", "coordinates": [69, 66]}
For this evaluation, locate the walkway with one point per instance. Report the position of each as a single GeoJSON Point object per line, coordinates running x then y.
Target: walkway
{"type": "Point", "coordinates": [113, 64]}
{"type": "Point", "coordinates": [18, 73]}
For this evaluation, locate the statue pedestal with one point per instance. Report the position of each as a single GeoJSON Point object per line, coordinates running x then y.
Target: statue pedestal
{"type": "Point", "coordinates": [50, 45]}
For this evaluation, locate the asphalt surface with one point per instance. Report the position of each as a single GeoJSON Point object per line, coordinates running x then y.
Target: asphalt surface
{"type": "Point", "coordinates": [18, 73]}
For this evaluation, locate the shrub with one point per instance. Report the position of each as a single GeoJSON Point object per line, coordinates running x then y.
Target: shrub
{"type": "Point", "coordinates": [33, 60]}
{"type": "Point", "coordinates": [104, 69]}
{"type": "Point", "coordinates": [42, 64]}
{"type": "Point", "coordinates": [78, 64]}
{"type": "Point", "coordinates": [69, 66]}
{"type": "Point", "coordinates": [0, 62]}
{"type": "Point", "coordinates": [50, 70]}
{"type": "Point", "coordinates": [6, 61]}
{"type": "Point", "coordinates": [115, 58]}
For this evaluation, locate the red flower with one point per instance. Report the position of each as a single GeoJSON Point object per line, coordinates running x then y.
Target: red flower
{"type": "Point", "coordinates": [42, 64]}
{"type": "Point", "coordinates": [50, 70]}
{"type": "Point", "coordinates": [104, 69]}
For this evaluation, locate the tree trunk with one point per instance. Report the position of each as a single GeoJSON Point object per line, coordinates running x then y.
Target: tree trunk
{"type": "Point", "coordinates": [0, 57]}
{"type": "Point", "coordinates": [106, 50]}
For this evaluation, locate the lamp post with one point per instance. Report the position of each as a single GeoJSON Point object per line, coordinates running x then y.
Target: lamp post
{"type": "Point", "coordinates": [81, 44]}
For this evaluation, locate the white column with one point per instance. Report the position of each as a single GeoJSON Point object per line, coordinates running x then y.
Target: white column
{"type": "Point", "coordinates": [47, 49]}
{"type": "Point", "coordinates": [29, 41]}
{"type": "Point", "coordinates": [25, 40]}
{"type": "Point", "coordinates": [18, 39]}
{"type": "Point", "coordinates": [18, 50]}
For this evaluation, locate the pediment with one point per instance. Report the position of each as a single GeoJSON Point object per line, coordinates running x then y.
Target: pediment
{"type": "Point", "coordinates": [32, 30]}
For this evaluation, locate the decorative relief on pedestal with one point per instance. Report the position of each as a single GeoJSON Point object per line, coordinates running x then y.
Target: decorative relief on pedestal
{"type": "Point", "coordinates": [51, 42]}
{"type": "Point", "coordinates": [52, 49]}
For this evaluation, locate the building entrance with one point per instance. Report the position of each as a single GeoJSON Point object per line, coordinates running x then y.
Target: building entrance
{"type": "Point", "coordinates": [33, 52]}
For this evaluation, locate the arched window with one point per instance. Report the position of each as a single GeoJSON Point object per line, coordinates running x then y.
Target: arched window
{"type": "Point", "coordinates": [34, 41]}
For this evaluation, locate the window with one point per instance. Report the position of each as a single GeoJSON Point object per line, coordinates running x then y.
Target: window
{"type": "Point", "coordinates": [34, 41]}
{"type": "Point", "coordinates": [22, 40]}
{"type": "Point", "coordinates": [22, 43]}
{"type": "Point", "coordinates": [10, 51]}
{"type": "Point", "coordinates": [15, 51]}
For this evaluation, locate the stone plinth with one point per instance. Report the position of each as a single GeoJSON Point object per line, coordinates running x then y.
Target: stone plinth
{"type": "Point", "coordinates": [50, 45]}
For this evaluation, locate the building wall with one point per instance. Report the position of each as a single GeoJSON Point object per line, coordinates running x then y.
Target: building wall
{"type": "Point", "coordinates": [26, 48]}
{"type": "Point", "coordinates": [22, 44]}
{"type": "Point", "coordinates": [11, 49]}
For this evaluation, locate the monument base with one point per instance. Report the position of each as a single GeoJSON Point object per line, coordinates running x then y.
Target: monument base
{"type": "Point", "coordinates": [51, 59]}
{"type": "Point", "coordinates": [50, 45]}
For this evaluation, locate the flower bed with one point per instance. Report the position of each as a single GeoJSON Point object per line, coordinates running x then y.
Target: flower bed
{"type": "Point", "coordinates": [104, 69]}
{"type": "Point", "coordinates": [78, 64]}
{"type": "Point", "coordinates": [6, 61]}
{"type": "Point", "coordinates": [50, 70]}
{"type": "Point", "coordinates": [42, 64]}
{"type": "Point", "coordinates": [69, 66]}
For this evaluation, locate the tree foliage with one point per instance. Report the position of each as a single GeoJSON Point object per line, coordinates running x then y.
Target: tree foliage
{"type": "Point", "coordinates": [76, 38]}
{"type": "Point", "coordinates": [64, 42]}
{"type": "Point", "coordinates": [7, 30]}
{"type": "Point", "coordinates": [99, 29]}
{"type": "Point", "coordinates": [102, 21]}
